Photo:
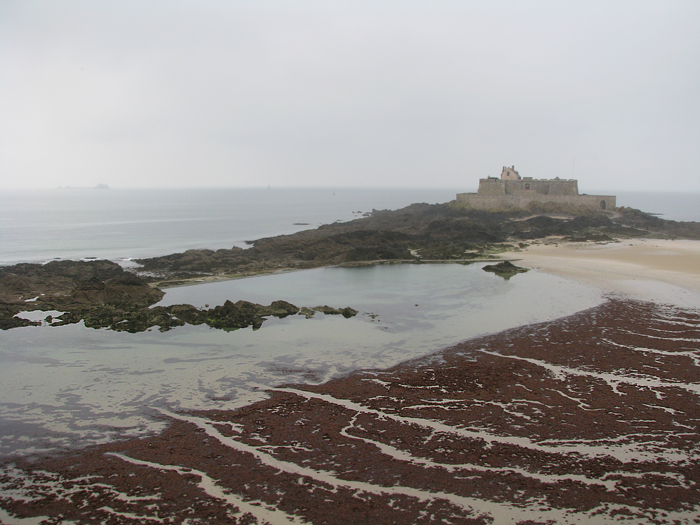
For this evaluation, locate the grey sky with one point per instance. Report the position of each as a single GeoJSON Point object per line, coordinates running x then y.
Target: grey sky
{"type": "Point", "coordinates": [349, 93]}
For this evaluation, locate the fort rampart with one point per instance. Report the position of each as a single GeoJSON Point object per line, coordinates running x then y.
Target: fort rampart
{"type": "Point", "coordinates": [499, 202]}
{"type": "Point", "coordinates": [513, 191]}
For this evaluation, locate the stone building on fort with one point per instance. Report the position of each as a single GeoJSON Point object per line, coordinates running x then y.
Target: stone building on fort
{"type": "Point", "coordinates": [513, 191]}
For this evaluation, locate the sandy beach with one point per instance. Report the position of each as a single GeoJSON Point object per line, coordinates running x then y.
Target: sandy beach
{"type": "Point", "coordinates": [665, 271]}
{"type": "Point", "coordinates": [589, 418]}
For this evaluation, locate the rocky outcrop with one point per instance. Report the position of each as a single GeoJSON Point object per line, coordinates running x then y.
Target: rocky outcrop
{"type": "Point", "coordinates": [243, 313]}
{"type": "Point", "coordinates": [62, 285]}
{"type": "Point", "coordinates": [229, 316]}
{"type": "Point", "coordinates": [103, 295]}
{"type": "Point", "coordinates": [505, 269]}
{"type": "Point", "coordinates": [346, 312]}
{"type": "Point", "coordinates": [72, 287]}
{"type": "Point", "coordinates": [417, 232]}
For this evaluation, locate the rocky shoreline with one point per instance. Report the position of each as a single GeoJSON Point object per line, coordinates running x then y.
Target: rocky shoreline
{"type": "Point", "coordinates": [104, 295]}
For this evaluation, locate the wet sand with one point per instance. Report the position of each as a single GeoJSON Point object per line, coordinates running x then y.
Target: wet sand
{"type": "Point", "coordinates": [626, 267]}
{"type": "Point", "coordinates": [591, 418]}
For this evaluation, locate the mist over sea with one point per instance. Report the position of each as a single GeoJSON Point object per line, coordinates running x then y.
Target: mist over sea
{"type": "Point", "coordinates": [119, 224]}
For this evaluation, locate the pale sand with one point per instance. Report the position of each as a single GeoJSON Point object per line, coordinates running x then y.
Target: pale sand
{"type": "Point", "coordinates": [657, 270]}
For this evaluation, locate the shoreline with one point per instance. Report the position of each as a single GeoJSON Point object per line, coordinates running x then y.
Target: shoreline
{"type": "Point", "coordinates": [193, 281]}
{"type": "Point", "coordinates": [421, 233]}
{"type": "Point", "coordinates": [640, 268]}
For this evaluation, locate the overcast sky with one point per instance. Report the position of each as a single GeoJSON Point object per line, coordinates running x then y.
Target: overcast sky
{"type": "Point", "coordinates": [349, 93]}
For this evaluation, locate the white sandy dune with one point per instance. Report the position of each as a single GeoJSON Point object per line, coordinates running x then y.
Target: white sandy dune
{"type": "Point", "coordinates": [659, 270]}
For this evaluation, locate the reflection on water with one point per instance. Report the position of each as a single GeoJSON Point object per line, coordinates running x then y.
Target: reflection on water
{"type": "Point", "coordinates": [67, 386]}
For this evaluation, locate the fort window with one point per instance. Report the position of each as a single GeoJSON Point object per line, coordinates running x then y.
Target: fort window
{"type": "Point", "coordinates": [527, 185]}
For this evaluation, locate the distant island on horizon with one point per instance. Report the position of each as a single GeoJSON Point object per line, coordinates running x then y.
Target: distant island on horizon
{"type": "Point", "coordinates": [97, 187]}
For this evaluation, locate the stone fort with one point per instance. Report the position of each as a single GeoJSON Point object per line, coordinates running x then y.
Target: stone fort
{"type": "Point", "coordinates": [513, 191]}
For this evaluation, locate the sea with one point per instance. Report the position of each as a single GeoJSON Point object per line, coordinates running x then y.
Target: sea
{"type": "Point", "coordinates": [120, 224]}
{"type": "Point", "coordinates": [71, 386]}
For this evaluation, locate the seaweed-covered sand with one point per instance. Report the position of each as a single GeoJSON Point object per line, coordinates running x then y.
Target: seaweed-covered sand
{"type": "Point", "coordinates": [593, 417]}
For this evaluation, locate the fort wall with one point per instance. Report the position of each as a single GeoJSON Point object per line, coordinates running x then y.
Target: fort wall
{"type": "Point", "coordinates": [500, 202]}
{"type": "Point", "coordinates": [528, 186]}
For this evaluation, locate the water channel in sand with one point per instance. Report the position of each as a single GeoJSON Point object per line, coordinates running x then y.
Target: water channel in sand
{"type": "Point", "coordinates": [72, 386]}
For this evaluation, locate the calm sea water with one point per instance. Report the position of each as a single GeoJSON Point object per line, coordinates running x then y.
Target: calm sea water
{"type": "Point", "coordinates": [118, 224]}
{"type": "Point", "coordinates": [667, 205]}
{"type": "Point", "coordinates": [37, 226]}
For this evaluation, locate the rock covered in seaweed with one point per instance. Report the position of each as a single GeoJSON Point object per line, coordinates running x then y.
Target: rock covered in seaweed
{"type": "Point", "coordinates": [505, 269]}
{"type": "Point", "coordinates": [103, 295]}
{"type": "Point", "coordinates": [229, 316]}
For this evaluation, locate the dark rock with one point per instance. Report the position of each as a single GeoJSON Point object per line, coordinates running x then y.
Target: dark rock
{"type": "Point", "coordinates": [280, 309]}
{"type": "Point", "coordinates": [326, 310]}
{"type": "Point", "coordinates": [234, 315]}
{"type": "Point", "coordinates": [229, 316]}
{"type": "Point", "coordinates": [504, 269]}
{"type": "Point", "coordinates": [307, 312]}
{"type": "Point", "coordinates": [348, 312]}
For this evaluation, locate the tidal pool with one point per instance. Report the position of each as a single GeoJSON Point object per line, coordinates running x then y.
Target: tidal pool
{"type": "Point", "coordinates": [72, 386]}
